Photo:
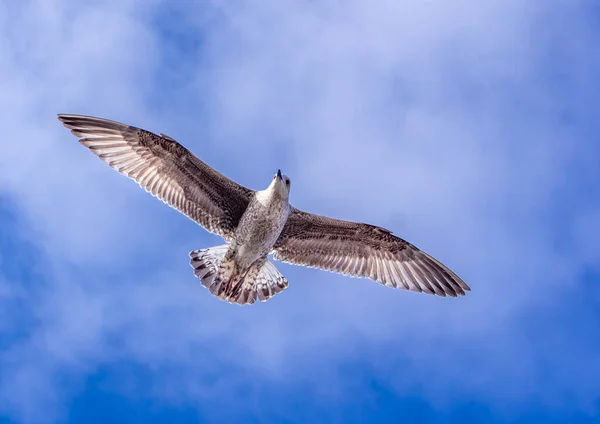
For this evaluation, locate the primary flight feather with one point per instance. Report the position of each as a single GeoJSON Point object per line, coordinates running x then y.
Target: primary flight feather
{"type": "Point", "coordinates": [257, 223]}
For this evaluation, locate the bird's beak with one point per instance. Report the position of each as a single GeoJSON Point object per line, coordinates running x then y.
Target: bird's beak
{"type": "Point", "coordinates": [279, 174]}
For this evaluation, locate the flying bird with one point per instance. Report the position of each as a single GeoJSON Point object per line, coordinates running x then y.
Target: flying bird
{"type": "Point", "coordinates": [255, 224]}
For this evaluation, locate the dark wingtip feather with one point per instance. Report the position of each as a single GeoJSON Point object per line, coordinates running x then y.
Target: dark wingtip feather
{"type": "Point", "coordinates": [83, 125]}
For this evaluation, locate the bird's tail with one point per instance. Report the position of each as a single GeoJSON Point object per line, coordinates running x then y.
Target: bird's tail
{"type": "Point", "coordinates": [221, 276]}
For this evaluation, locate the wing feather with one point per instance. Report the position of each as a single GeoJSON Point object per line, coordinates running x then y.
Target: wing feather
{"type": "Point", "coordinates": [166, 169]}
{"type": "Point", "coordinates": [363, 250]}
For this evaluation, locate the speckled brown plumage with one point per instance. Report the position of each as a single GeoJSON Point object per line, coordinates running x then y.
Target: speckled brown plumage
{"type": "Point", "coordinates": [166, 169]}
{"type": "Point", "coordinates": [363, 250]}
{"type": "Point", "coordinates": [256, 223]}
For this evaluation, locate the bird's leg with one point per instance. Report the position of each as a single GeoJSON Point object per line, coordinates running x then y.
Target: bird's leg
{"type": "Point", "coordinates": [249, 275]}
{"type": "Point", "coordinates": [240, 282]}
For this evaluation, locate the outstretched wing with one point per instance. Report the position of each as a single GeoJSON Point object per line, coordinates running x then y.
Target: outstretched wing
{"type": "Point", "coordinates": [166, 169]}
{"type": "Point", "coordinates": [363, 250]}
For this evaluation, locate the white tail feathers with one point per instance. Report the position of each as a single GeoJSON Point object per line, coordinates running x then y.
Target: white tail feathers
{"type": "Point", "coordinates": [223, 279]}
{"type": "Point", "coordinates": [206, 263]}
{"type": "Point", "coordinates": [269, 282]}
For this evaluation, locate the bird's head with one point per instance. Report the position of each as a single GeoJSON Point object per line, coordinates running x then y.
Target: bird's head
{"type": "Point", "coordinates": [281, 185]}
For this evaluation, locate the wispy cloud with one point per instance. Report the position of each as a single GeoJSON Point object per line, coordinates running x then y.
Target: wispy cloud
{"type": "Point", "coordinates": [467, 128]}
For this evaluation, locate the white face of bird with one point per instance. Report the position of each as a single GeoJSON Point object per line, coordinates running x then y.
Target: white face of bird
{"type": "Point", "coordinates": [281, 184]}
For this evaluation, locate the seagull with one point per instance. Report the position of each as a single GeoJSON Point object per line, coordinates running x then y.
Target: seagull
{"type": "Point", "coordinates": [255, 224]}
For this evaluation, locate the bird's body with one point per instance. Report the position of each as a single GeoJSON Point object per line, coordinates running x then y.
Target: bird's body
{"type": "Point", "coordinates": [257, 223]}
{"type": "Point", "coordinates": [255, 235]}
{"type": "Point", "coordinates": [260, 226]}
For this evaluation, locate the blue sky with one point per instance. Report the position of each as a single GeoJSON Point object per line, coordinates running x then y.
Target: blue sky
{"type": "Point", "coordinates": [468, 128]}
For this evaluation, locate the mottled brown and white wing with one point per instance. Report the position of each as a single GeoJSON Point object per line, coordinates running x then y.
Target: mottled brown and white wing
{"type": "Point", "coordinates": [166, 169]}
{"type": "Point", "coordinates": [363, 250]}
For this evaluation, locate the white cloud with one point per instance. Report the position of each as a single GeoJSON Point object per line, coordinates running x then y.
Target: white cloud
{"type": "Point", "coordinates": [436, 120]}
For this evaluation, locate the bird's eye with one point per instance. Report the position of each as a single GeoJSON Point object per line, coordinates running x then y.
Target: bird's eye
{"type": "Point", "coordinates": [287, 182]}
{"type": "Point", "coordinates": [274, 176]}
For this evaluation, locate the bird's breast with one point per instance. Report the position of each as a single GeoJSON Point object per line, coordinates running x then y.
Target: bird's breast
{"type": "Point", "coordinates": [258, 231]}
